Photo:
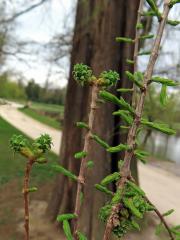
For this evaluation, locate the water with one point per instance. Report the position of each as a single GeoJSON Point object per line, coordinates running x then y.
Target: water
{"type": "Point", "coordinates": [165, 147]}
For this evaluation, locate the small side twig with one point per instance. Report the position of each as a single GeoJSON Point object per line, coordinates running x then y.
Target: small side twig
{"type": "Point", "coordinates": [137, 36]}
{"type": "Point", "coordinates": [34, 153]}
{"type": "Point", "coordinates": [162, 219]}
{"type": "Point", "coordinates": [136, 48]}
{"type": "Point", "coordinates": [83, 166]}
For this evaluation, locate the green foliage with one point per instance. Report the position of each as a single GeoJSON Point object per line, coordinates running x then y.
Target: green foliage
{"type": "Point", "coordinates": [168, 213]}
{"type": "Point", "coordinates": [105, 212]}
{"type": "Point", "coordinates": [109, 97]}
{"type": "Point", "coordinates": [65, 172]}
{"type": "Point", "coordinates": [141, 155]}
{"type": "Point", "coordinates": [17, 142]}
{"type": "Point", "coordinates": [163, 95]}
{"type": "Point", "coordinates": [144, 53]}
{"type": "Point", "coordinates": [32, 189]}
{"type": "Point", "coordinates": [139, 26]}
{"type": "Point", "coordinates": [124, 39]}
{"type": "Point", "coordinates": [82, 125]}
{"type": "Point", "coordinates": [135, 78]}
{"type": "Point", "coordinates": [154, 7]}
{"type": "Point", "coordinates": [176, 231]}
{"type": "Point", "coordinates": [173, 2]}
{"type": "Point", "coordinates": [33, 151]}
{"type": "Point", "coordinates": [82, 74]}
{"type": "Point", "coordinates": [164, 128]}
{"type": "Point", "coordinates": [173, 22]}
{"type": "Point", "coordinates": [90, 164]}
{"type": "Point", "coordinates": [109, 78]}
{"type": "Point", "coordinates": [136, 188]}
{"type": "Point", "coordinates": [46, 94]}
{"type": "Point", "coordinates": [117, 197]}
{"type": "Point", "coordinates": [103, 189]}
{"type": "Point", "coordinates": [33, 90]}
{"type": "Point", "coordinates": [132, 205]}
{"type": "Point", "coordinates": [100, 141]}
{"type": "Point", "coordinates": [147, 36]}
{"type": "Point", "coordinates": [119, 148]}
{"type": "Point", "coordinates": [110, 178]}
{"type": "Point", "coordinates": [10, 89]}
{"type": "Point", "coordinates": [129, 203]}
{"type": "Point", "coordinates": [130, 61]}
{"type": "Point", "coordinates": [125, 90]}
{"type": "Point", "coordinates": [80, 155]}
{"type": "Point", "coordinates": [67, 230]}
{"type": "Point", "coordinates": [125, 115]}
{"type": "Point", "coordinates": [12, 165]}
{"type": "Point", "coordinates": [125, 105]}
{"type": "Point", "coordinates": [81, 236]}
{"type": "Point", "coordinates": [67, 216]}
{"type": "Point", "coordinates": [159, 229]}
{"type": "Point", "coordinates": [164, 81]}
{"type": "Point", "coordinates": [44, 142]}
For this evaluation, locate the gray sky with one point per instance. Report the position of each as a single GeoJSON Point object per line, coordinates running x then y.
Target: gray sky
{"type": "Point", "coordinates": [41, 25]}
{"type": "Point", "coordinates": [54, 17]}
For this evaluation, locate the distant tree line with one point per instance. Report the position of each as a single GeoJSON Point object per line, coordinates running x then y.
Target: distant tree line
{"type": "Point", "coordinates": [30, 92]}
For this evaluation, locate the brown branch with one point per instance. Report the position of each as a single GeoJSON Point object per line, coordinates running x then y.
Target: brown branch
{"type": "Point", "coordinates": [136, 49]}
{"type": "Point", "coordinates": [22, 12]}
{"type": "Point", "coordinates": [83, 166]}
{"type": "Point", "coordinates": [162, 219]}
{"type": "Point", "coordinates": [125, 170]}
{"type": "Point", "coordinates": [26, 197]}
{"type": "Point", "coordinates": [137, 36]}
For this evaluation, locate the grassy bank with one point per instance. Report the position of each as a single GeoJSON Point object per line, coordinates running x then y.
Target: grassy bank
{"type": "Point", "coordinates": [41, 118]}
{"type": "Point", "coordinates": [47, 107]}
{"type": "Point", "coordinates": [11, 183]}
{"type": "Point", "coordinates": [12, 166]}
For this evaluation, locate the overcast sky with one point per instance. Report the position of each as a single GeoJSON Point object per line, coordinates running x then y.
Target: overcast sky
{"type": "Point", "coordinates": [41, 25]}
{"type": "Point", "coordinates": [54, 17]}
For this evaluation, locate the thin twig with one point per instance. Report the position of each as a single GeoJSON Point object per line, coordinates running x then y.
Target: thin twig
{"type": "Point", "coordinates": [125, 170]}
{"type": "Point", "coordinates": [137, 36]}
{"type": "Point", "coordinates": [83, 167]}
{"type": "Point", "coordinates": [136, 49]}
{"type": "Point", "coordinates": [161, 218]}
{"type": "Point", "coordinates": [26, 197]}
{"type": "Point", "coordinates": [18, 14]}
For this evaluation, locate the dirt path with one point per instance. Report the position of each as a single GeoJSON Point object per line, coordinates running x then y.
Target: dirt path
{"type": "Point", "coordinates": [163, 188]}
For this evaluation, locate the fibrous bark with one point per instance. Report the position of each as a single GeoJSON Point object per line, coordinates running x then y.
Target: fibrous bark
{"type": "Point", "coordinates": [98, 22]}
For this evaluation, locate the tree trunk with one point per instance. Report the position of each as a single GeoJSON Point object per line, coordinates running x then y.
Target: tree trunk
{"type": "Point", "coordinates": [98, 22]}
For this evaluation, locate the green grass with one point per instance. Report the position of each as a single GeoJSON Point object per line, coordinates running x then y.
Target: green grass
{"type": "Point", "coordinates": [12, 166]}
{"type": "Point", "coordinates": [41, 118]}
{"type": "Point", "coordinates": [47, 107]}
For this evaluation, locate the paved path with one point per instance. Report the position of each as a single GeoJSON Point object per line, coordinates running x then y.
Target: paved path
{"type": "Point", "coordinates": [29, 126]}
{"type": "Point", "coordinates": [163, 188]}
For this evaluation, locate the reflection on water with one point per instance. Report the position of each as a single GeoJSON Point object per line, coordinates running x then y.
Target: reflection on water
{"type": "Point", "coordinates": [167, 147]}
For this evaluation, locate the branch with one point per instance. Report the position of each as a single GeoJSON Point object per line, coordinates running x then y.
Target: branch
{"type": "Point", "coordinates": [137, 35]}
{"type": "Point", "coordinates": [22, 12]}
{"type": "Point", "coordinates": [125, 170]}
{"type": "Point", "coordinates": [26, 197]}
{"type": "Point", "coordinates": [161, 218]}
{"type": "Point", "coordinates": [136, 48]}
{"type": "Point", "coordinates": [83, 166]}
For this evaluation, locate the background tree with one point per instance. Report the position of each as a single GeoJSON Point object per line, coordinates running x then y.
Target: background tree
{"type": "Point", "coordinates": [97, 25]}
